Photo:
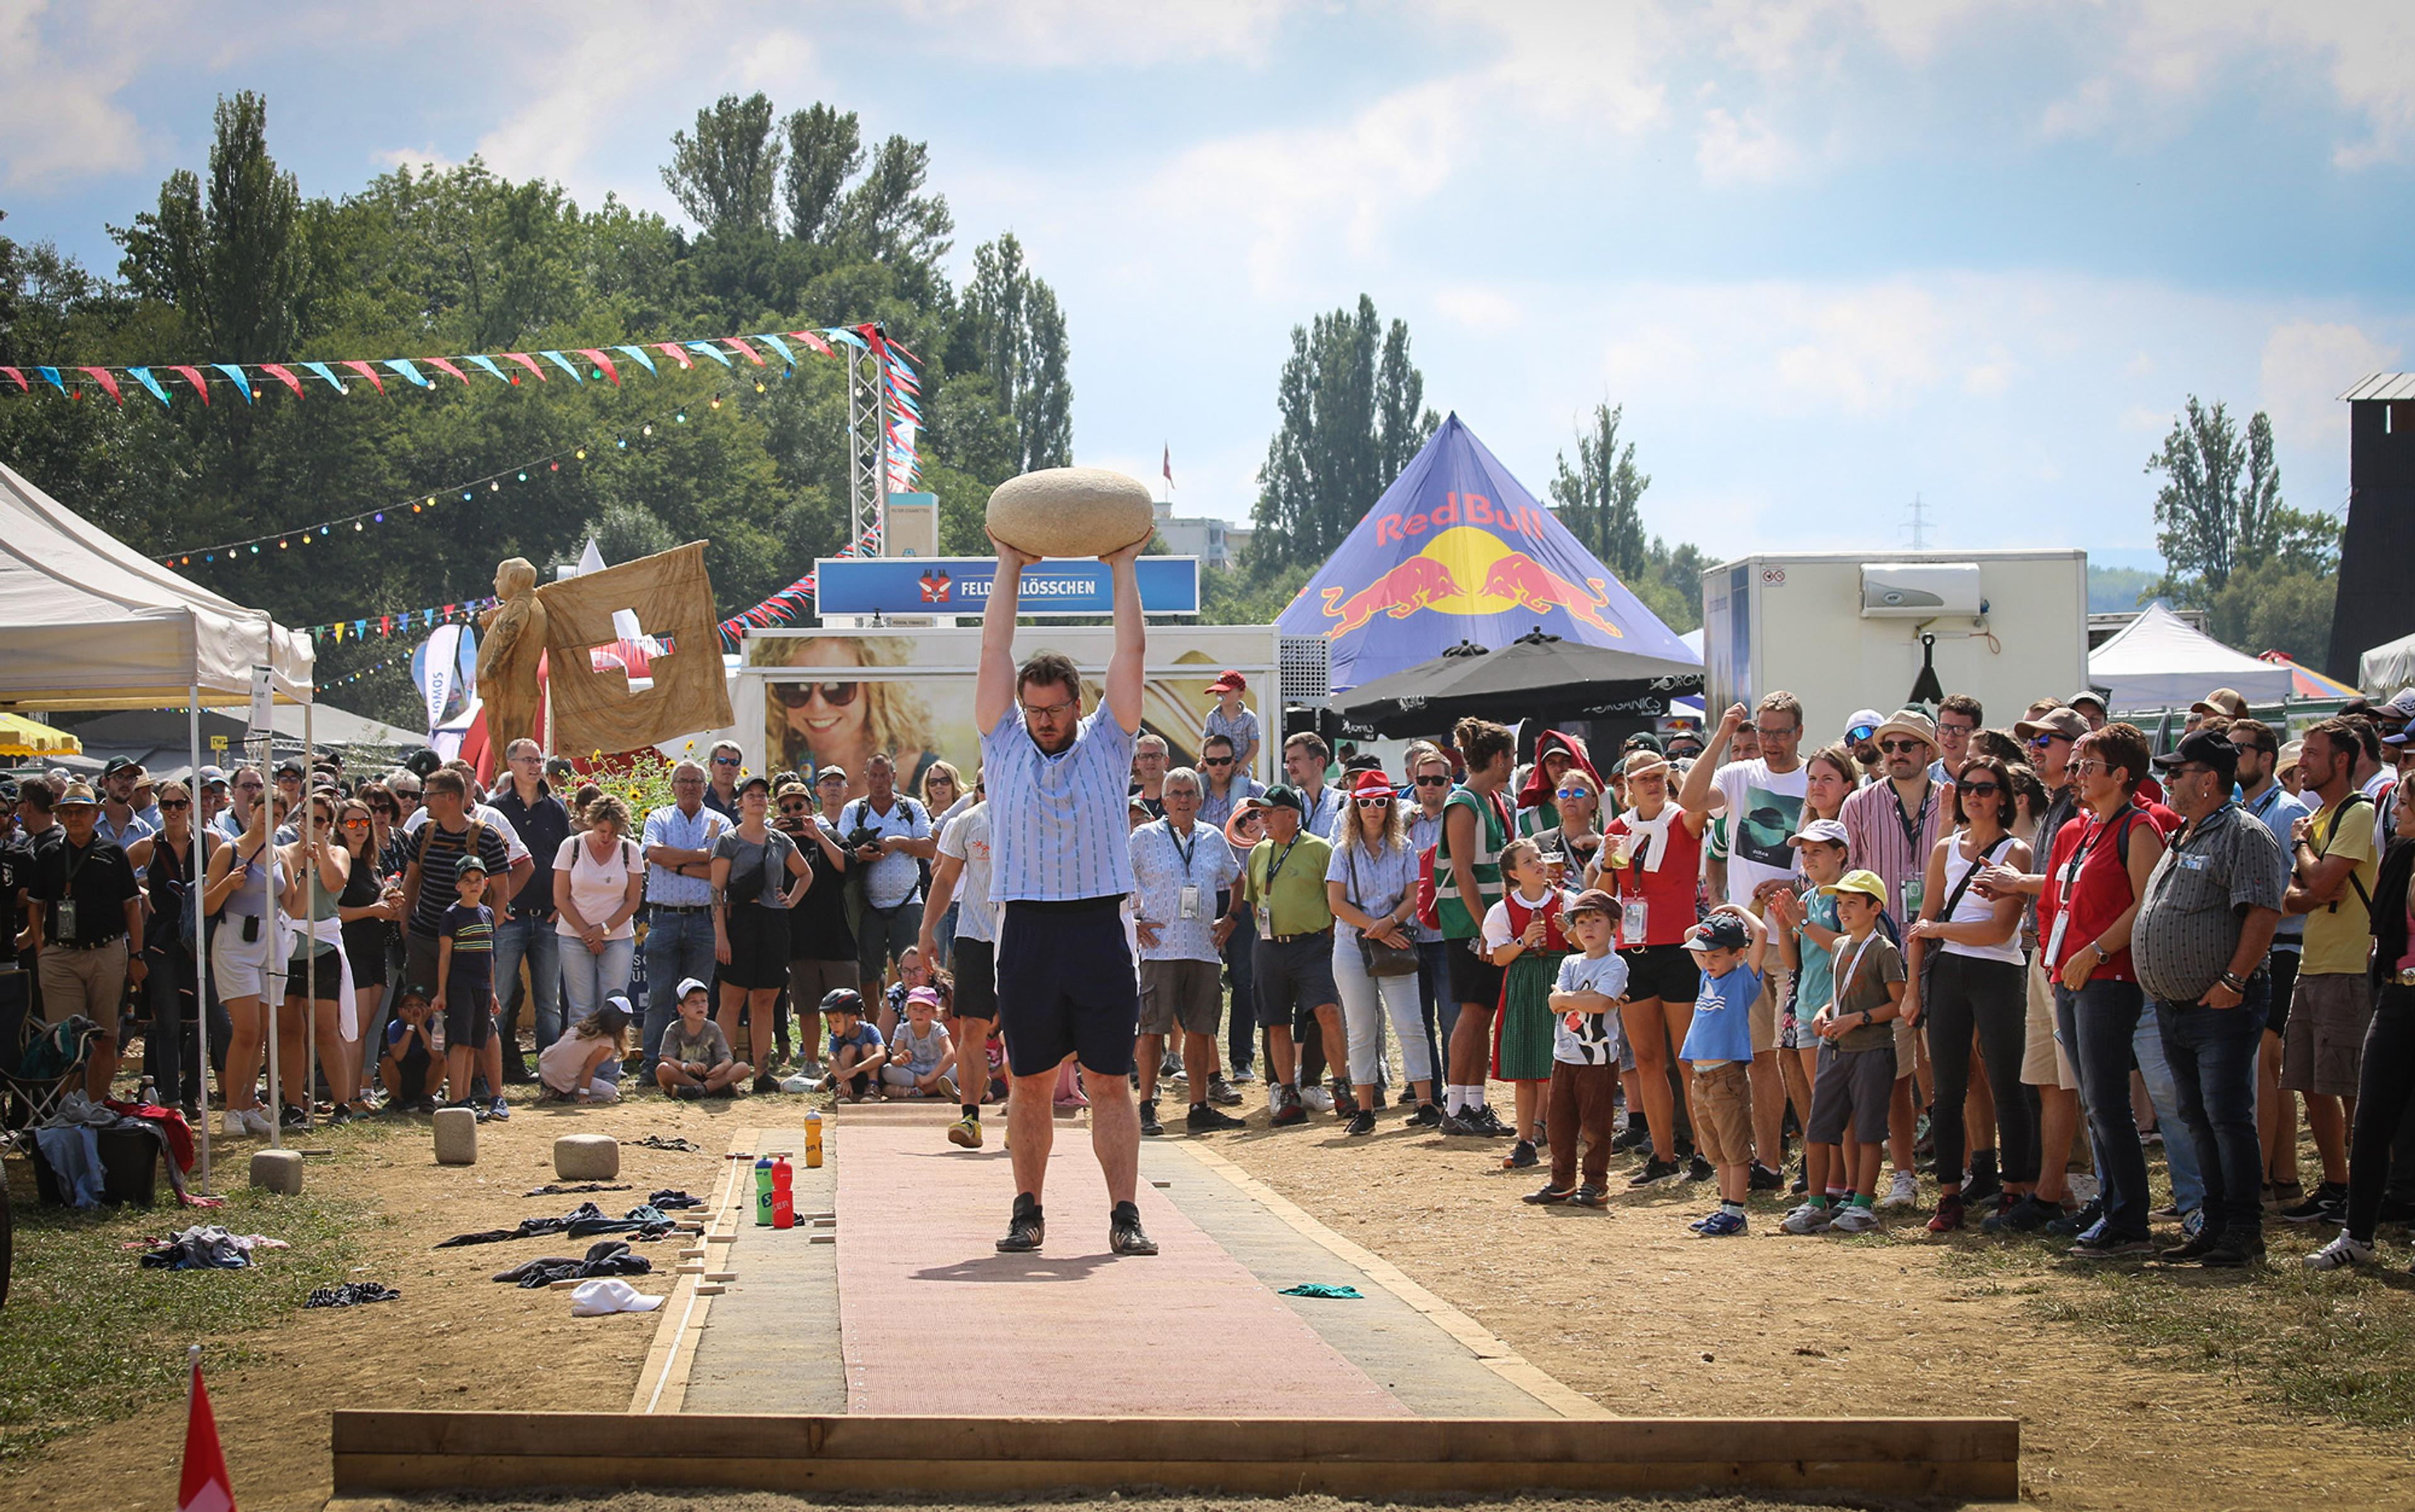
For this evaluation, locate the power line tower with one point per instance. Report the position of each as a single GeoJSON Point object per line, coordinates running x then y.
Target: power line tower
{"type": "Point", "coordinates": [1918, 526]}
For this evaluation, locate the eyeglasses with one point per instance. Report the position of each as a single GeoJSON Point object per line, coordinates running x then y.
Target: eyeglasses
{"type": "Point", "coordinates": [1434, 781]}
{"type": "Point", "coordinates": [798, 694]}
{"type": "Point", "coordinates": [1982, 789]}
{"type": "Point", "coordinates": [356, 823]}
{"type": "Point", "coordinates": [1574, 792]}
{"type": "Point", "coordinates": [2039, 742]}
{"type": "Point", "coordinates": [1053, 711]}
{"type": "Point", "coordinates": [2085, 766]}
{"type": "Point", "coordinates": [2253, 745]}
{"type": "Point", "coordinates": [1956, 732]}
{"type": "Point", "coordinates": [1215, 761]}
{"type": "Point", "coordinates": [249, 786]}
{"type": "Point", "coordinates": [688, 782]}
{"type": "Point", "coordinates": [175, 805]}
{"type": "Point", "coordinates": [2193, 769]}
{"type": "Point", "coordinates": [1780, 733]}
{"type": "Point", "coordinates": [1382, 803]}
{"type": "Point", "coordinates": [1900, 747]}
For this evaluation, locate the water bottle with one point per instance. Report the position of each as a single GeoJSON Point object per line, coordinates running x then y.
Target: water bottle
{"type": "Point", "coordinates": [763, 1191]}
{"type": "Point", "coordinates": [784, 1194]}
{"type": "Point", "coordinates": [812, 1139]}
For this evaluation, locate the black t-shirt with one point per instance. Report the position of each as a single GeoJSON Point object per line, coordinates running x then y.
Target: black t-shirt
{"type": "Point", "coordinates": [439, 852]}
{"type": "Point", "coordinates": [16, 875]}
{"type": "Point", "coordinates": [100, 878]}
{"type": "Point", "coordinates": [817, 924]}
{"type": "Point", "coordinates": [543, 825]}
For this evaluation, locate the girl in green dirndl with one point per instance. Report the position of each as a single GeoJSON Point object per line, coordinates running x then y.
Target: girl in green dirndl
{"type": "Point", "coordinates": [1525, 933]}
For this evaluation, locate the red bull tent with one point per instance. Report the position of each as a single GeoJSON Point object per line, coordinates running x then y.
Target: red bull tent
{"type": "Point", "coordinates": [1458, 550]}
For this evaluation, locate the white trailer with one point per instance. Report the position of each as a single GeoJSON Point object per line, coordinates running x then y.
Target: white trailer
{"type": "Point", "coordinates": [1848, 629]}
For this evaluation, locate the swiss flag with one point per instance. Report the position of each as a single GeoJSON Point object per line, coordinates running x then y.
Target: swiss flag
{"type": "Point", "coordinates": [204, 1485]}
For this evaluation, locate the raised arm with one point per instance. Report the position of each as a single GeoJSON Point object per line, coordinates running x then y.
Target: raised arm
{"type": "Point", "coordinates": [1132, 639]}
{"type": "Point", "coordinates": [993, 688]}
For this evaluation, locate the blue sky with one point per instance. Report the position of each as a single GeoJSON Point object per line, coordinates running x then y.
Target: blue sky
{"type": "Point", "coordinates": [1829, 254]}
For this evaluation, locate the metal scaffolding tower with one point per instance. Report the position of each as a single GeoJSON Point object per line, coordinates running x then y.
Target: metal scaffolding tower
{"type": "Point", "coordinates": [868, 467]}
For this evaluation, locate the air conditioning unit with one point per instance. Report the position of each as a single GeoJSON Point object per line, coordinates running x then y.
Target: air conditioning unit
{"type": "Point", "coordinates": [1921, 589]}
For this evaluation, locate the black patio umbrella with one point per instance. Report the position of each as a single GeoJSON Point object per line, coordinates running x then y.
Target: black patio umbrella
{"type": "Point", "coordinates": [1535, 677]}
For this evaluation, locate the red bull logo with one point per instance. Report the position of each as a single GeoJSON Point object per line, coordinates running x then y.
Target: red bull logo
{"type": "Point", "coordinates": [1534, 586]}
{"type": "Point", "coordinates": [1399, 593]}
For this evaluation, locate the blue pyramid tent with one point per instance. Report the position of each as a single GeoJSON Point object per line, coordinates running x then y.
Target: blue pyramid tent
{"type": "Point", "coordinates": [1457, 549]}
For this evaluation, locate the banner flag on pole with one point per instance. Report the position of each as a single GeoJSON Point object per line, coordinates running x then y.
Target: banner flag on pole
{"type": "Point", "coordinates": [204, 1485]}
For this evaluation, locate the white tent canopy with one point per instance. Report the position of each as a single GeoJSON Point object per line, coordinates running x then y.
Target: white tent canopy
{"type": "Point", "coordinates": [2387, 667]}
{"type": "Point", "coordinates": [2158, 662]}
{"type": "Point", "coordinates": [87, 623]}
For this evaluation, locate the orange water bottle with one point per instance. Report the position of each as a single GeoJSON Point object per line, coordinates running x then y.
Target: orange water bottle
{"type": "Point", "coordinates": [812, 1139]}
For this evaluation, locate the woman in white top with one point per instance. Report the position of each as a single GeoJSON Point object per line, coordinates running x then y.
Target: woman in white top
{"type": "Point", "coordinates": [598, 880]}
{"type": "Point", "coordinates": [1976, 988]}
{"type": "Point", "coordinates": [1371, 884]}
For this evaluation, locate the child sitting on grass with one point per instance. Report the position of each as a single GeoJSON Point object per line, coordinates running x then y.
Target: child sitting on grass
{"type": "Point", "coordinates": [572, 1068]}
{"type": "Point", "coordinates": [856, 1051]}
{"type": "Point", "coordinates": [412, 1068]}
{"type": "Point", "coordinates": [1856, 1076]}
{"type": "Point", "coordinates": [696, 1054]}
{"type": "Point", "coordinates": [1728, 946]}
{"type": "Point", "coordinates": [1591, 989]}
{"type": "Point", "coordinates": [913, 971]}
{"type": "Point", "coordinates": [920, 1052]}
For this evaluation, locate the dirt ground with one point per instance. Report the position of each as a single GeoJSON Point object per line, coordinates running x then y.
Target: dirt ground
{"type": "Point", "coordinates": [1625, 1306]}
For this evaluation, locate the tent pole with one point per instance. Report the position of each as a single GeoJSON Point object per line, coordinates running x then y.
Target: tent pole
{"type": "Point", "coordinates": [311, 840]}
{"type": "Point", "coordinates": [200, 940]}
{"type": "Point", "coordinates": [275, 982]}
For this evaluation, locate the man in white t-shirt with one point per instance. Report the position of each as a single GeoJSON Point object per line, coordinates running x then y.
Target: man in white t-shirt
{"type": "Point", "coordinates": [963, 871]}
{"type": "Point", "coordinates": [1762, 798]}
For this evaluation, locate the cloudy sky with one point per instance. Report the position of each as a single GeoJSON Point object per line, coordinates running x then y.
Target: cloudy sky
{"type": "Point", "coordinates": [1829, 254]}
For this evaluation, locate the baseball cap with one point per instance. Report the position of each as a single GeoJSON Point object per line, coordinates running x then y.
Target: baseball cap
{"type": "Point", "coordinates": [2088, 696]}
{"type": "Point", "coordinates": [1720, 932]}
{"type": "Point", "coordinates": [2401, 708]}
{"type": "Point", "coordinates": [213, 777]}
{"type": "Point", "coordinates": [468, 863]}
{"type": "Point", "coordinates": [292, 765]}
{"type": "Point", "coordinates": [1867, 883]}
{"type": "Point", "coordinates": [689, 984]}
{"type": "Point", "coordinates": [614, 1014]}
{"type": "Point", "coordinates": [843, 1000]}
{"type": "Point", "coordinates": [1231, 681]}
{"type": "Point", "coordinates": [1597, 901]}
{"type": "Point", "coordinates": [1284, 796]}
{"type": "Point", "coordinates": [758, 780]}
{"type": "Point", "coordinates": [1819, 831]}
{"type": "Point", "coordinates": [120, 764]}
{"type": "Point", "coordinates": [2204, 747]}
{"type": "Point", "coordinates": [621, 1002]}
{"type": "Point", "coordinates": [928, 996]}
{"type": "Point", "coordinates": [2065, 722]}
{"type": "Point", "coordinates": [1863, 724]}
{"type": "Point", "coordinates": [2225, 701]}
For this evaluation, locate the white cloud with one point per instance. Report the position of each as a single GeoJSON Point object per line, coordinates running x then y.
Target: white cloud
{"type": "Point", "coordinates": [2306, 367]}
{"type": "Point", "coordinates": [413, 158]}
{"type": "Point", "coordinates": [1742, 149]}
{"type": "Point", "coordinates": [1061, 33]}
{"type": "Point", "coordinates": [65, 121]}
{"type": "Point", "coordinates": [1479, 308]}
{"type": "Point", "coordinates": [1870, 351]}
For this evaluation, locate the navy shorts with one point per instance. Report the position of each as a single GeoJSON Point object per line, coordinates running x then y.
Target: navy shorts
{"type": "Point", "coordinates": [1065, 987]}
{"type": "Point", "coordinates": [1474, 981]}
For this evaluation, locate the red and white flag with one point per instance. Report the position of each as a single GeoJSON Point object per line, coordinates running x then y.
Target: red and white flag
{"type": "Point", "coordinates": [1169, 465]}
{"type": "Point", "coordinates": [204, 1485]}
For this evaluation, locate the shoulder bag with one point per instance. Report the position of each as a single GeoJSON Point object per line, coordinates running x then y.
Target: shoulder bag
{"type": "Point", "coordinates": [1381, 960]}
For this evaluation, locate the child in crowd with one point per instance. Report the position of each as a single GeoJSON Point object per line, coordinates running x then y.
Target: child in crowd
{"type": "Point", "coordinates": [1592, 987]}
{"type": "Point", "coordinates": [913, 972]}
{"type": "Point", "coordinates": [1234, 719]}
{"type": "Point", "coordinates": [1857, 1077]}
{"type": "Point", "coordinates": [411, 1066]}
{"type": "Point", "coordinates": [920, 1052]}
{"type": "Point", "coordinates": [1728, 946]}
{"type": "Point", "coordinates": [696, 1056]}
{"type": "Point", "coordinates": [1523, 933]}
{"type": "Point", "coordinates": [465, 976]}
{"type": "Point", "coordinates": [856, 1051]}
{"type": "Point", "coordinates": [572, 1068]}
{"type": "Point", "coordinates": [1805, 930]}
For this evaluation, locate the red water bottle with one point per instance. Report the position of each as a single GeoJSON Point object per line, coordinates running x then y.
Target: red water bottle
{"type": "Point", "coordinates": [784, 1194]}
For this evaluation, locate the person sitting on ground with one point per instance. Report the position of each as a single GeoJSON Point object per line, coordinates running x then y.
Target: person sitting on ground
{"type": "Point", "coordinates": [856, 1051]}
{"type": "Point", "coordinates": [465, 976]}
{"type": "Point", "coordinates": [1591, 988]}
{"type": "Point", "coordinates": [574, 1067]}
{"type": "Point", "coordinates": [696, 1059]}
{"type": "Point", "coordinates": [913, 973]}
{"type": "Point", "coordinates": [1728, 946]}
{"type": "Point", "coordinates": [412, 1066]}
{"type": "Point", "coordinates": [920, 1052]}
{"type": "Point", "coordinates": [1854, 1085]}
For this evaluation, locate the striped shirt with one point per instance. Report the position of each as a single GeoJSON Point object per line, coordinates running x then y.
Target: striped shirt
{"type": "Point", "coordinates": [1163, 865]}
{"type": "Point", "coordinates": [1325, 807]}
{"type": "Point", "coordinates": [1881, 836]}
{"type": "Point", "coordinates": [1059, 824]}
{"type": "Point", "coordinates": [1215, 810]}
{"type": "Point", "coordinates": [669, 826]}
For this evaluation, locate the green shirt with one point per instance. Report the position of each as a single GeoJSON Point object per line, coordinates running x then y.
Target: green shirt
{"type": "Point", "coordinates": [2339, 934]}
{"type": "Point", "coordinates": [1460, 922]}
{"type": "Point", "coordinates": [1286, 885]}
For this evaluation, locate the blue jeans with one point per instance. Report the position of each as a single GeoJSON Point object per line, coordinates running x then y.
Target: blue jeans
{"type": "Point", "coordinates": [1437, 1004]}
{"type": "Point", "coordinates": [678, 945]}
{"type": "Point", "coordinates": [2099, 1023]}
{"type": "Point", "coordinates": [1241, 1023]}
{"type": "Point", "coordinates": [2183, 1156]}
{"type": "Point", "coordinates": [2213, 1053]}
{"type": "Point", "coordinates": [533, 940]}
{"type": "Point", "coordinates": [588, 979]}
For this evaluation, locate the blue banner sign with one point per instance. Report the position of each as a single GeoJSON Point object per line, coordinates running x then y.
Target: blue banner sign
{"type": "Point", "coordinates": [960, 585]}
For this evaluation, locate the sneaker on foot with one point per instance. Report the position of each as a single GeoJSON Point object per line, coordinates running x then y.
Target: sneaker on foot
{"type": "Point", "coordinates": [966, 1131]}
{"type": "Point", "coordinates": [1809, 1219]}
{"type": "Point", "coordinates": [2194, 1248]}
{"type": "Point", "coordinates": [1220, 1092]}
{"type": "Point", "coordinates": [1902, 1192]}
{"type": "Point", "coordinates": [1521, 1156]}
{"type": "Point", "coordinates": [1949, 1214]}
{"type": "Point", "coordinates": [1698, 1169]}
{"type": "Point", "coordinates": [1312, 1096]}
{"type": "Point", "coordinates": [1206, 1120]}
{"type": "Point", "coordinates": [1653, 1172]}
{"type": "Point", "coordinates": [499, 1110]}
{"type": "Point", "coordinates": [2341, 1253]}
{"type": "Point", "coordinates": [2027, 1215]}
{"type": "Point", "coordinates": [1149, 1124]}
{"type": "Point", "coordinates": [1425, 1115]}
{"type": "Point", "coordinates": [1285, 1104]}
{"type": "Point", "coordinates": [291, 1117]}
{"type": "Point", "coordinates": [1855, 1219]}
{"type": "Point", "coordinates": [2106, 1245]}
{"type": "Point", "coordinates": [1722, 1224]}
{"type": "Point", "coordinates": [1486, 1121]}
{"type": "Point", "coordinates": [2078, 1221]}
{"type": "Point", "coordinates": [1634, 1136]}
{"type": "Point", "coordinates": [1456, 1123]}
{"type": "Point", "coordinates": [1765, 1179]}
{"type": "Point", "coordinates": [1244, 1075]}
{"type": "Point", "coordinates": [1362, 1122]}
{"type": "Point", "coordinates": [2326, 1204]}
{"type": "Point", "coordinates": [1025, 1228]}
{"type": "Point", "coordinates": [1589, 1195]}
{"type": "Point", "coordinates": [1125, 1236]}
{"type": "Point", "coordinates": [1548, 1196]}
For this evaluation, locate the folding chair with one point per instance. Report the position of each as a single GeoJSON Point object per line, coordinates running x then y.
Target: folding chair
{"type": "Point", "coordinates": [35, 1079]}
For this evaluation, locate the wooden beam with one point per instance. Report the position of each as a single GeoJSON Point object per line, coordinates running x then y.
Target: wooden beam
{"type": "Point", "coordinates": [404, 1451]}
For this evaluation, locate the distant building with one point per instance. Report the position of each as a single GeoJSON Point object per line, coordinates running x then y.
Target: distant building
{"type": "Point", "coordinates": [1215, 542]}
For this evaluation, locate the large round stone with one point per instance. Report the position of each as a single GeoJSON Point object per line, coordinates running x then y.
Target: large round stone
{"type": "Point", "coordinates": [1071, 511]}
{"type": "Point", "coordinates": [587, 1157]}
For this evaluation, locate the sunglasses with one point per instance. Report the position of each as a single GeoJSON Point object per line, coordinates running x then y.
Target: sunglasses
{"type": "Point", "coordinates": [1899, 747]}
{"type": "Point", "coordinates": [356, 823]}
{"type": "Point", "coordinates": [1382, 803]}
{"type": "Point", "coordinates": [1982, 789]}
{"type": "Point", "coordinates": [173, 805]}
{"type": "Point", "coordinates": [795, 808]}
{"type": "Point", "coordinates": [1861, 732]}
{"type": "Point", "coordinates": [1574, 792]}
{"type": "Point", "coordinates": [725, 761]}
{"type": "Point", "coordinates": [1434, 781]}
{"type": "Point", "coordinates": [798, 694]}
{"type": "Point", "coordinates": [1215, 761]}
{"type": "Point", "coordinates": [2084, 767]}
{"type": "Point", "coordinates": [2039, 742]}
{"type": "Point", "coordinates": [385, 811]}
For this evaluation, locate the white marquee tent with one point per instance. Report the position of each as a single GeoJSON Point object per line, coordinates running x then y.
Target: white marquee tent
{"type": "Point", "coordinates": [2387, 667]}
{"type": "Point", "coordinates": [2158, 662]}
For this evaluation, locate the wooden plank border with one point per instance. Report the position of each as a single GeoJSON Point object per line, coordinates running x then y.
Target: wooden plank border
{"type": "Point", "coordinates": [385, 1452]}
{"type": "Point", "coordinates": [661, 1381]}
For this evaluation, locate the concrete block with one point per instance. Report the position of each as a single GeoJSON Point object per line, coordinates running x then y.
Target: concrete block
{"type": "Point", "coordinates": [457, 1136]}
{"type": "Point", "coordinates": [277, 1171]}
{"type": "Point", "coordinates": [587, 1157]}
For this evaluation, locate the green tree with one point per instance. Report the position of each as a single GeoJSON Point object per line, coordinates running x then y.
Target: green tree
{"type": "Point", "coordinates": [886, 219]}
{"type": "Point", "coordinates": [1017, 337]}
{"type": "Point", "coordinates": [825, 150]}
{"type": "Point", "coordinates": [233, 266]}
{"type": "Point", "coordinates": [2219, 508]}
{"type": "Point", "coordinates": [1600, 501]}
{"type": "Point", "coordinates": [725, 176]}
{"type": "Point", "coordinates": [1350, 401]}
{"type": "Point", "coordinates": [2275, 605]}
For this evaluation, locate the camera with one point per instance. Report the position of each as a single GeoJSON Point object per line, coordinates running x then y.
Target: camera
{"type": "Point", "coordinates": [862, 835]}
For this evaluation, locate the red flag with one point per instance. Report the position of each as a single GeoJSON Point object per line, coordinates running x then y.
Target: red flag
{"type": "Point", "coordinates": [204, 1485]}
{"type": "Point", "coordinates": [1169, 465]}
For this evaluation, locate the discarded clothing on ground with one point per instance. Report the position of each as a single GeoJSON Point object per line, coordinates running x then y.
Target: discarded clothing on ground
{"type": "Point", "coordinates": [671, 1198]}
{"type": "Point", "coordinates": [555, 1188]}
{"type": "Point", "coordinates": [605, 1257]}
{"type": "Point", "coordinates": [208, 1246]}
{"type": "Point", "coordinates": [350, 1294]}
{"type": "Point", "coordinates": [656, 1141]}
{"type": "Point", "coordinates": [1341, 1294]}
{"type": "Point", "coordinates": [644, 1221]}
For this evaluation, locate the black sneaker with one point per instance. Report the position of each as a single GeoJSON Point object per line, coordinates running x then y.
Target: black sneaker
{"type": "Point", "coordinates": [1633, 1137]}
{"type": "Point", "coordinates": [1362, 1122]}
{"type": "Point", "coordinates": [1521, 1156]}
{"type": "Point", "coordinates": [2079, 1221]}
{"type": "Point", "coordinates": [1765, 1179]}
{"type": "Point", "coordinates": [1377, 1100]}
{"type": "Point", "coordinates": [1220, 1093]}
{"type": "Point", "coordinates": [1802, 1187]}
{"type": "Point", "coordinates": [2027, 1215]}
{"type": "Point", "coordinates": [2195, 1247]}
{"type": "Point", "coordinates": [1149, 1124]}
{"type": "Point", "coordinates": [1025, 1229]}
{"type": "Point", "coordinates": [1206, 1120]}
{"type": "Point", "coordinates": [2232, 1252]}
{"type": "Point", "coordinates": [1654, 1171]}
{"type": "Point", "coordinates": [1345, 1105]}
{"type": "Point", "coordinates": [341, 1116]}
{"type": "Point", "coordinates": [1698, 1169]}
{"type": "Point", "coordinates": [1985, 1184]}
{"type": "Point", "coordinates": [1550, 1196]}
{"type": "Point", "coordinates": [1488, 1123]}
{"type": "Point", "coordinates": [1426, 1116]}
{"type": "Point", "coordinates": [1456, 1123]}
{"type": "Point", "coordinates": [1590, 1196]}
{"type": "Point", "coordinates": [2326, 1204]}
{"type": "Point", "coordinates": [1125, 1236]}
{"type": "Point", "coordinates": [1288, 1109]}
{"type": "Point", "coordinates": [290, 1116]}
